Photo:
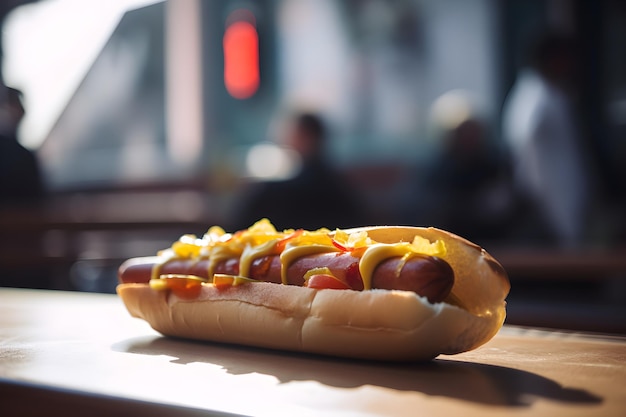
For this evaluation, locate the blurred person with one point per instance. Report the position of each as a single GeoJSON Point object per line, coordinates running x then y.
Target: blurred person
{"type": "Point", "coordinates": [538, 125]}
{"type": "Point", "coordinates": [21, 197]}
{"type": "Point", "coordinates": [20, 178]}
{"type": "Point", "coordinates": [315, 197]}
{"type": "Point", "coordinates": [464, 187]}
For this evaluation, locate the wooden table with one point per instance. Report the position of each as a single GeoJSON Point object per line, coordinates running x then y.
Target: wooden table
{"type": "Point", "coordinates": [68, 353]}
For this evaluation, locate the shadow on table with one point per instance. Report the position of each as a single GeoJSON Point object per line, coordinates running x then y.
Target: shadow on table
{"type": "Point", "coordinates": [480, 383]}
{"type": "Point", "coordinates": [24, 399]}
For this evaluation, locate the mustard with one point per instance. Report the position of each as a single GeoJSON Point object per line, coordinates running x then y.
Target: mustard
{"type": "Point", "coordinates": [164, 257]}
{"type": "Point", "coordinates": [375, 254]}
{"type": "Point", "coordinates": [220, 253]}
{"type": "Point", "coordinates": [291, 253]}
{"type": "Point", "coordinates": [250, 253]}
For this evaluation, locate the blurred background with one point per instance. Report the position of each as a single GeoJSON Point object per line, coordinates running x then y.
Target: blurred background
{"type": "Point", "coordinates": [127, 123]}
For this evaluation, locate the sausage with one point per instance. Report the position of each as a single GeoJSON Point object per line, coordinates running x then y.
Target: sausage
{"type": "Point", "coordinates": [428, 276]}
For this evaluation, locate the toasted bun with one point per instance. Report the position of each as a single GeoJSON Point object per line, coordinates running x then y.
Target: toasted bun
{"type": "Point", "coordinates": [375, 324]}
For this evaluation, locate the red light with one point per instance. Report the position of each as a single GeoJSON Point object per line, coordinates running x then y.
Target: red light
{"type": "Point", "coordinates": [241, 59]}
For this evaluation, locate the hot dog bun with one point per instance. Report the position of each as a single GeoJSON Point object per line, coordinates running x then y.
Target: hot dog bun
{"type": "Point", "coordinates": [374, 324]}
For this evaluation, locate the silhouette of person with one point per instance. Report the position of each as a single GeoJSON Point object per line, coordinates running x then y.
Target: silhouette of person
{"type": "Point", "coordinates": [21, 198]}
{"type": "Point", "coordinates": [315, 197]}
{"type": "Point", "coordinates": [464, 187]}
{"type": "Point", "coordinates": [538, 125]}
{"type": "Point", "coordinates": [20, 177]}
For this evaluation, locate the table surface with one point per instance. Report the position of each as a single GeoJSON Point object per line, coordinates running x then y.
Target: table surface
{"type": "Point", "coordinates": [82, 354]}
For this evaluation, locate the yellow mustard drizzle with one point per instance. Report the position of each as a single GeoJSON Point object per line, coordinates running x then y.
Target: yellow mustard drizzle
{"type": "Point", "coordinates": [291, 253]}
{"type": "Point", "coordinates": [218, 254]}
{"type": "Point", "coordinates": [164, 257]}
{"type": "Point", "coordinates": [250, 253]}
{"type": "Point", "coordinates": [156, 270]}
{"type": "Point", "coordinates": [375, 255]}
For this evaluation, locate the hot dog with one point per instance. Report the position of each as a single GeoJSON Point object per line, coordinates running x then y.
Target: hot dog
{"type": "Point", "coordinates": [409, 293]}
